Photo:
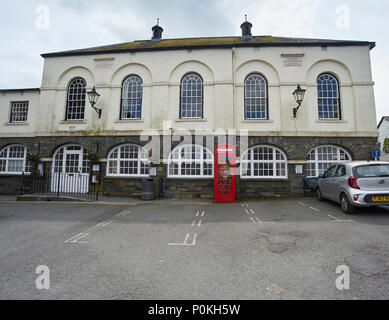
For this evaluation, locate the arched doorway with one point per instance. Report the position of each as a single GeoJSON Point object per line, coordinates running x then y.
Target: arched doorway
{"type": "Point", "coordinates": [70, 170]}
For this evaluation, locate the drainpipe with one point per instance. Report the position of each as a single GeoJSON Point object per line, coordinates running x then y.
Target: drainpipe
{"type": "Point", "coordinates": [233, 88]}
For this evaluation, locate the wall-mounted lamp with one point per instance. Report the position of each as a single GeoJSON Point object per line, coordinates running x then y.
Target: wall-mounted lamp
{"type": "Point", "coordinates": [93, 98]}
{"type": "Point", "coordinates": [299, 95]}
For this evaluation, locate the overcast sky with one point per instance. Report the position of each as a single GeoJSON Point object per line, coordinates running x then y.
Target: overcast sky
{"type": "Point", "coordinates": [74, 24]}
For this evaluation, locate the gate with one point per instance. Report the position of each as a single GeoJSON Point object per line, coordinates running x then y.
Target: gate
{"type": "Point", "coordinates": [64, 185]}
{"type": "Point", "coordinates": [225, 179]}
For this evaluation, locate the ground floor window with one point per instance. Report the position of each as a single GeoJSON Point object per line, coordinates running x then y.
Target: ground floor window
{"type": "Point", "coordinates": [323, 157]}
{"type": "Point", "coordinates": [13, 160]}
{"type": "Point", "coordinates": [128, 160]}
{"type": "Point", "coordinates": [264, 162]}
{"type": "Point", "coordinates": [190, 161]}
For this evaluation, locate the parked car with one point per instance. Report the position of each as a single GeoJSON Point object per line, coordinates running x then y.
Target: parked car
{"type": "Point", "coordinates": [355, 184]}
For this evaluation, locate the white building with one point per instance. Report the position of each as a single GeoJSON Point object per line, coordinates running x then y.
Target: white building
{"type": "Point", "coordinates": [383, 130]}
{"type": "Point", "coordinates": [211, 84]}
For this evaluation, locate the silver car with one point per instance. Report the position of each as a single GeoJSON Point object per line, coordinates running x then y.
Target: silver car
{"type": "Point", "coordinates": [355, 184]}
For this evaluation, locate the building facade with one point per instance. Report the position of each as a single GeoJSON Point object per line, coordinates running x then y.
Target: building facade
{"type": "Point", "coordinates": [383, 130]}
{"type": "Point", "coordinates": [196, 93]}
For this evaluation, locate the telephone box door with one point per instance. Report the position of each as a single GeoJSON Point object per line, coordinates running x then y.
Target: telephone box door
{"type": "Point", "coordinates": [225, 162]}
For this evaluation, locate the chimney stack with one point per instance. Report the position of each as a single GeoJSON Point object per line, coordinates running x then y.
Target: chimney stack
{"type": "Point", "coordinates": [157, 32]}
{"type": "Point", "coordinates": [246, 29]}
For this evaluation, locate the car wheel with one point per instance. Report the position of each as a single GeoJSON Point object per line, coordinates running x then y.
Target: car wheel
{"type": "Point", "coordinates": [347, 207]}
{"type": "Point", "coordinates": [319, 195]}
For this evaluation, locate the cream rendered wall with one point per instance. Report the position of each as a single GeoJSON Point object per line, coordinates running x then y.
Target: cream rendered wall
{"type": "Point", "coordinates": [19, 129]}
{"type": "Point", "coordinates": [223, 72]}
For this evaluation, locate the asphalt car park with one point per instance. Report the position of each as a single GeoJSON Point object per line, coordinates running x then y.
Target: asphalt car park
{"type": "Point", "coordinates": [276, 249]}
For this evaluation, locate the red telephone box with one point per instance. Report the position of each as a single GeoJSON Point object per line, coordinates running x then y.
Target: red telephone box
{"type": "Point", "coordinates": [225, 162]}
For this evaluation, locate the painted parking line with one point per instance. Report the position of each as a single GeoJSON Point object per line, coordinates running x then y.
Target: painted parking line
{"type": "Point", "coordinates": [302, 204]}
{"type": "Point", "coordinates": [78, 237]}
{"type": "Point", "coordinates": [335, 219]}
{"type": "Point", "coordinates": [317, 210]}
{"type": "Point", "coordinates": [186, 243]}
{"type": "Point", "coordinates": [124, 213]}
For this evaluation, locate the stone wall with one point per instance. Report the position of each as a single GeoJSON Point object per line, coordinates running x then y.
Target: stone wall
{"type": "Point", "coordinates": [296, 149]}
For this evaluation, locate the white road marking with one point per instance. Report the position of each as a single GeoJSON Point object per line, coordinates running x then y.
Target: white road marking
{"type": "Point", "coordinates": [242, 205]}
{"type": "Point", "coordinates": [73, 237]}
{"type": "Point", "coordinates": [317, 210]}
{"type": "Point", "coordinates": [78, 237]}
{"type": "Point", "coordinates": [252, 211]}
{"type": "Point", "coordinates": [259, 220]}
{"type": "Point", "coordinates": [303, 204]}
{"type": "Point", "coordinates": [124, 213]}
{"type": "Point", "coordinates": [246, 204]}
{"type": "Point", "coordinates": [203, 214]}
{"type": "Point", "coordinates": [252, 219]}
{"type": "Point", "coordinates": [186, 241]}
{"type": "Point", "coordinates": [198, 213]}
{"type": "Point", "coordinates": [107, 223]}
{"type": "Point", "coordinates": [247, 211]}
{"type": "Point", "coordinates": [193, 224]}
{"type": "Point", "coordinates": [199, 225]}
{"type": "Point", "coordinates": [338, 220]}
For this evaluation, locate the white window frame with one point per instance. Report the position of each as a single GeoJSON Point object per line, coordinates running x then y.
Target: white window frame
{"type": "Point", "coordinates": [329, 98]}
{"type": "Point", "coordinates": [59, 166]}
{"type": "Point", "coordinates": [262, 82]}
{"type": "Point", "coordinates": [17, 114]}
{"type": "Point", "coordinates": [192, 105]}
{"type": "Point", "coordinates": [139, 160]}
{"type": "Point", "coordinates": [316, 160]}
{"type": "Point", "coordinates": [26, 166]}
{"type": "Point", "coordinates": [274, 162]}
{"type": "Point", "coordinates": [132, 86]}
{"type": "Point", "coordinates": [71, 111]}
{"type": "Point", "coordinates": [180, 160]}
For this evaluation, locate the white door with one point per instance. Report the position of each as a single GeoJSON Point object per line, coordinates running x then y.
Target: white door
{"type": "Point", "coordinates": [70, 174]}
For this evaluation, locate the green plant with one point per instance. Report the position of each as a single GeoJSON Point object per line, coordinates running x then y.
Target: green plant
{"type": "Point", "coordinates": [93, 157]}
{"type": "Point", "coordinates": [31, 157]}
{"type": "Point", "coordinates": [386, 145]}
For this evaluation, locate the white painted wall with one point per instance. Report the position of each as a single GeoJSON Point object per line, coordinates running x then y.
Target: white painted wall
{"type": "Point", "coordinates": [223, 72]}
{"type": "Point", "coordinates": [383, 132]}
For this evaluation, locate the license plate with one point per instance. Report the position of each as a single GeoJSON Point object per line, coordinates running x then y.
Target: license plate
{"type": "Point", "coordinates": [381, 199]}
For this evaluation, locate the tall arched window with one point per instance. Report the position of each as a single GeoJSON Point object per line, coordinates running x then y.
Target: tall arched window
{"type": "Point", "coordinates": [75, 106]}
{"type": "Point", "coordinates": [256, 98]}
{"type": "Point", "coordinates": [132, 95]}
{"type": "Point", "coordinates": [190, 161]}
{"type": "Point", "coordinates": [191, 104]}
{"type": "Point", "coordinates": [71, 159]}
{"type": "Point", "coordinates": [264, 162]}
{"type": "Point", "coordinates": [128, 160]}
{"type": "Point", "coordinates": [13, 160]}
{"type": "Point", "coordinates": [323, 157]}
{"type": "Point", "coordinates": [328, 97]}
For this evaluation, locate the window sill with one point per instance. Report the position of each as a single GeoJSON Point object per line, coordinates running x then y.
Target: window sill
{"type": "Point", "coordinates": [268, 179]}
{"type": "Point", "coordinates": [73, 122]}
{"type": "Point", "coordinates": [11, 124]}
{"type": "Point", "coordinates": [130, 121]}
{"type": "Point", "coordinates": [191, 120]}
{"type": "Point", "coordinates": [330, 121]}
{"type": "Point", "coordinates": [191, 178]}
{"type": "Point", "coordinates": [119, 177]}
{"type": "Point", "coordinates": [257, 121]}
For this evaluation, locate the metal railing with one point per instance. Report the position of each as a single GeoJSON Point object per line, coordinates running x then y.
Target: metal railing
{"type": "Point", "coordinates": [75, 185]}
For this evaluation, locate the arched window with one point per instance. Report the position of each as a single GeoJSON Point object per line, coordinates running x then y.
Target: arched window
{"type": "Point", "coordinates": [323, 157]}
{"type": "Point", "coordinates": [128, 160]}
{"type": "Point", "coordinates": [256, 99]}
{"type": "Point", "coordinates": [191, 105]}
{"type": "Point", "coordinates": [71, 159]}
{"type": "Point", "coordinates": [75, 106]}
{"type": "Point", "coordinates": [328, 97]}
{"type": "Point", "coordinates": [132, 95]}
{"type": "Point", "coordinates": [190, 161]}
{"type": "Point", "coordinates": [13, 160]}
{"type": "Point", "coordinates": [264, 162]}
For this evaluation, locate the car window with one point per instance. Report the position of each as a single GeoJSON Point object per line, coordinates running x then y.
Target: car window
{"type": "Point", "coordinates": [371, 171]}
{"type": "Point", "coordinates": [340, 171]}
{"type": "Point", "coordinates": [330, 172]}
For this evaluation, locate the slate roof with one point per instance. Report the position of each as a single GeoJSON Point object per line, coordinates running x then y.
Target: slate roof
{"type": "Point", "coordinates": [206, 43]}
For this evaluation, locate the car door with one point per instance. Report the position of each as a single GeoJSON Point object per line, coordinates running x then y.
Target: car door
{"type": "Point", "coordinates": [326, 182]}
{"type": "Point", "coordinates": [336, 182]}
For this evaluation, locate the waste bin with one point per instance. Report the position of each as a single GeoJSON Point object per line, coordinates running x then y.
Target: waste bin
{"type": "Point", "coordinates": [148, 189]}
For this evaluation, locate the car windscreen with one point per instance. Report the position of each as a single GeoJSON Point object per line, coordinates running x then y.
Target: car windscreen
{"type": "Point", "coordinates": [371, 171]}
